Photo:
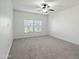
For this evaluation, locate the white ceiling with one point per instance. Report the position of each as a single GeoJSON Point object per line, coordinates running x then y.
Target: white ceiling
{"type": "Point", "coordinates": [32, 5]}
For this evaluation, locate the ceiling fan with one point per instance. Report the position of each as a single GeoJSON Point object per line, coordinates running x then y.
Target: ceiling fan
{"type": "Point", "coordinates": [45, 7]}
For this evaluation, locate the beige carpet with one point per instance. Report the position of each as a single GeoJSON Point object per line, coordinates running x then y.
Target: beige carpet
{"type": "Point", "coordinates": [45, 47]}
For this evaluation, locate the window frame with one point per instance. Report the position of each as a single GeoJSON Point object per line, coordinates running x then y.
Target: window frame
{"type": "Point", "coordinates": [34, 27]}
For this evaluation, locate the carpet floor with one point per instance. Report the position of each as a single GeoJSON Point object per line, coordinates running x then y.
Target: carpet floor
{"type": "Point", "coordinates": [45, 47]}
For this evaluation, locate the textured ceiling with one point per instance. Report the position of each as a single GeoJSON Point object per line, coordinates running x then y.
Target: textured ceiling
{"type": "Point", "coordinates": [33, 5]}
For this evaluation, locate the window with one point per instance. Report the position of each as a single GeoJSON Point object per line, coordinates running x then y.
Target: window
{"type": "Point", "coordinates": [32, 26]}
{"type": "Point", "coordinates": [28, 26]}
{"type": "Point", "coordinates": [37, 26]}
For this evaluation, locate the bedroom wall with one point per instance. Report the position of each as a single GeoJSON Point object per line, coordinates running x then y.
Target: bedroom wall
{"type": "Point", "coordinates": [6, 36]}
{"type": "Point", "coordinates": [20, 16]}
{"type": "Point", "coordinates": [65, 25]}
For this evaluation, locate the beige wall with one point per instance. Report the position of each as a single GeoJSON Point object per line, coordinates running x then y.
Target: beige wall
{"type": "Point", "coordinates": [65, 25]}
{"type": "Point", "coordinates": [20, 16]}
{"type": "Point", "coordinates": [5, 28]}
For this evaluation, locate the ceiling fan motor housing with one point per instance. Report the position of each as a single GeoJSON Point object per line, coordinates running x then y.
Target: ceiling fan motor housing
{"type": "Point", "coordinates": [45, 6]}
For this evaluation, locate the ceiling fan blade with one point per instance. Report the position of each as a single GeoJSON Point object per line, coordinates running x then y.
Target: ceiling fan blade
{"type": "Point", "coordinates": [51, 10]}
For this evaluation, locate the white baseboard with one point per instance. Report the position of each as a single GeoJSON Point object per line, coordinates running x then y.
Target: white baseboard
{"type": "Point", "coordinates": [31, 36]}
{"type": "Point", "coordinates": [9, 49]}
{"type": "Point", "coordinates": [64, 39]}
